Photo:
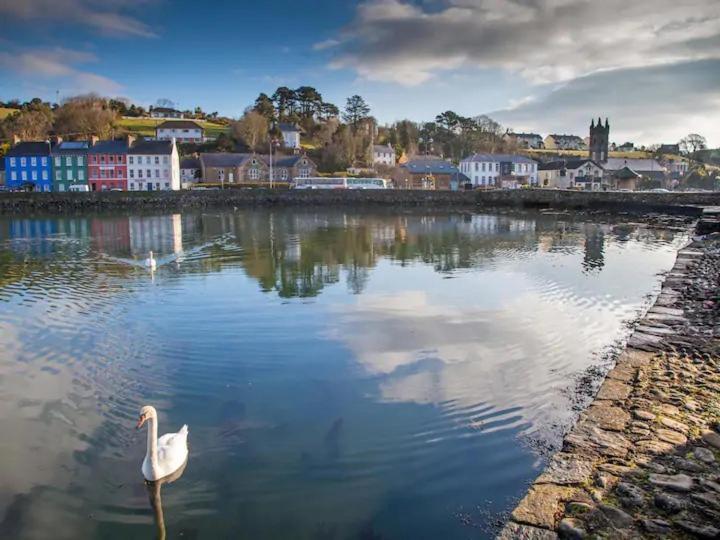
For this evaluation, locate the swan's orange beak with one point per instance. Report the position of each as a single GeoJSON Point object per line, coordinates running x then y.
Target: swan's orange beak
{"type": "Point", "coordinates": [141, 421]}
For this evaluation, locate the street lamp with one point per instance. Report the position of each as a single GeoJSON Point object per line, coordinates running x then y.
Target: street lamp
{"type": "Point", "coordinates": [273, 142]}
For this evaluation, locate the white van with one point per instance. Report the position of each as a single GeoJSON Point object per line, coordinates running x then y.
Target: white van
{"type": "Point", "coordinates": [79, 187]}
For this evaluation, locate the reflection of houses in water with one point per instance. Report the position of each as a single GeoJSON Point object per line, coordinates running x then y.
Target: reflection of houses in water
{"type": "Point", "coordinates": [40, 237]}
{"type": "Point", "coordinates": [159, 234]}
{"type": "Point", "coordinates": [111, 235]}
{"type": "Point", "coordinates": [594, 255]}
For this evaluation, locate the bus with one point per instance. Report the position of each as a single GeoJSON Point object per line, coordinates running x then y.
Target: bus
{"type": "Point", "coordinates": [338, 182]}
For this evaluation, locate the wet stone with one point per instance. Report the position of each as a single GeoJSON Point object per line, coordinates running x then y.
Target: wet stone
{"type": "Point", "coordinates": [571, 529]}
{"type": "Point", "coordinates": [608, 417]}
{"type": "Point", "coordinates": [676, 482]}
{"type": "Point", "coordinates": [617, 517]}
{"type": "Point", "coordinates": [587, 438]}
{"type": "Point", "coordinates": [630, 496]}
{"type": "Point", "coordinates": [669, 503]}
{"type": "Point", "coordinates": [656, 526]}
{"type": "Point", "coordinates": [688, 465]}
{"type": "Point", "coordinates": [698, 529]}
{"type": "Point", "coordinates": [614, 390]}
{"type": "Point", "coordinates": [707, 499]}
{"type": "Point", "coordinates": [566, 469]}
{"type": "Point", "coordinates": [516, 531]}
{"type": "Point", "coordinates": [541, 504]}
{"type": "Point", "coordinates": [712, 438]}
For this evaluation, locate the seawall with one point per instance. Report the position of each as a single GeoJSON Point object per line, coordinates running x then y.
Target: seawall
{"type": "Point", "coordinates": [643, 460]}
{"type": "Point", "coordinates": [672, 203]}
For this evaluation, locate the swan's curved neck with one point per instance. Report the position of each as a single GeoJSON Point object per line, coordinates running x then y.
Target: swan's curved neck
{"type": "Point", "coordinates": [152, 441]}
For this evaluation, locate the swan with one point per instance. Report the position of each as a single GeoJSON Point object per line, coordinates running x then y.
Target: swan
{"type": "Point", "coordinates": [164, 455]}
{"type": "Point", "coordinates": [150, 262]}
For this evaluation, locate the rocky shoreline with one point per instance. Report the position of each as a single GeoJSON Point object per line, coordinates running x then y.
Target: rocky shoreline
{"type": "Point", "coordinates": [643, 461]}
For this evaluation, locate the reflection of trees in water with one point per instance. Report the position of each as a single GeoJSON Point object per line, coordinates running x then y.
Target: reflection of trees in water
{"type": "Point", "coordinates": [298, 253]}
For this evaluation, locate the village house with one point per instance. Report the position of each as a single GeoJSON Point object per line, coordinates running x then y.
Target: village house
{"type": "Point", "coordinates": [669, 149]}
{"type": "Point", "coordinates": [183, 131]}
{"type": "Point", "coordinates": [429, 172]}
{"type": "Point", "coordinates": [383, 155]}
{"type": "Point", "coordinates": [165, 112]}
{"type": "Point", "coordinates": [500, 170]}
{"type": "Point", "coordinates": [290, 135]}
{"type": "Point", "coordinates": [233, 168]}
{"type": "Point", "coordinates": [107, 164]}
{"type": "Point", "coordinates": [524, 140]}
{"type": "Point", "coordinates": [153, 166]}
{"type": "Point", "coordinates": [625, 179]}
{"type": "Point", "coordinates": [570, 174]}
{"type": "Point", "coordinates": [28, 166]}
{"type": "Point", "coordinates": [189, 171]}
{"type": "Point", "coordinates": [287, 168]}
{"type": "Point", "coordinates": [69, 164]}
{"type": "Point", "coordinates": [648, 169]}
{"type": "Point", "coordinates": [564, 142]}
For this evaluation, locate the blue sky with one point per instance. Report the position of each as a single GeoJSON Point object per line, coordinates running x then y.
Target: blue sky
{"type": "Point", "coordinates": [540, 65]}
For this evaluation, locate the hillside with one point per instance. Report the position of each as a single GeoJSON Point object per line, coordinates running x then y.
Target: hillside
{"type": "Point", "coordinates": [5, 112]}
{"type": "Point", "coordinates": [146, 126]}
{"type": "Point", "coordinates": [635, 154]}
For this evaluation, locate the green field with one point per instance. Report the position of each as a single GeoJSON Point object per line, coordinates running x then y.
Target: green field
{"type": "Point", "coordinates": [146, 126]}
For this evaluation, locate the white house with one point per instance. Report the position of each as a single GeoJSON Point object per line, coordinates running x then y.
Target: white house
{"type": "Point", "coordinates": [501, 170]}
{"type": "Point", "coordinates": [383, 155]}
{"type": "Point", "coordinates": [183, 131]}
{"type": "Point", "coordinates": [153, 166]}
{"type": "Point", "coordinates": [290, 135]}
{"type": "Point", "coordinates": [556, 141]}
{"type": "Point", "coordinates": [570, 174]}
{"type": "Point", "coordinates": [165, 112]}
{"type": "Point", "coordinates": [525, 140]}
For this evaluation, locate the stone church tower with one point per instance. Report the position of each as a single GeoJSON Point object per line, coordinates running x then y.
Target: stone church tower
{"type": "Point", "coordinates": [599, 140]}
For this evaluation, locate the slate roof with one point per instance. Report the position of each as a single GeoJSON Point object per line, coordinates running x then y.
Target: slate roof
{"type": "Point", "coordinates": [562, 137]}
{"type": "Point", "coordinates": [638, 165]}
{"type": "Point", "coordinates": [513, 158]}
{"type": "Point", "coordinates": [432, 166]}
{"type": "Point", "coordinates": [151, 147]}
{"type": "Point", "coordinates": [625, 173]}
{"type": "Point", "coordinates": [287, 127]}
{"type": "Point", "coordinates": [526, 135]}
{"type": "Point", "coordinates": [179, 124]}
{"type": "Point", "coordinates": [41, 148]}
{"type": "Point", "coordinates": [286, 161]}
{"type": "Point", "coordinates": [165, 110]}
{"type": "Point", "coordinates": [109, 147]}
{"type": "Point", "coordinates": [190, 163]}
{"type": "Point", "coordinates": [70, 148]}
{"type": "Point", "coordinates": [224, 159]}
{"type": "Point", "coordinates": [383, 148]}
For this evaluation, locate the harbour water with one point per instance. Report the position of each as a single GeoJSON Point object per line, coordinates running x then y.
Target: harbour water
{"type": "Point", "coordinates": [343, 374]}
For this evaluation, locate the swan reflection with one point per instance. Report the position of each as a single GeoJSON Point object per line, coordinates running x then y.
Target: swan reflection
{"type": "Point", "coordinates": [154, 488]}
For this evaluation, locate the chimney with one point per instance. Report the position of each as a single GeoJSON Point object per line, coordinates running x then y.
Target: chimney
{"type": "Point", "coordinates": [93, 140]}
{"type": "Point", "coordinates": [16, 140]}
{"type": "Point", "coordinates": [130, 140]}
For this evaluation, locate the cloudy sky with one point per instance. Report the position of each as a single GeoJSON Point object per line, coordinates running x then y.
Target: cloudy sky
{"type": "Point", "coordinates": [652, 67]}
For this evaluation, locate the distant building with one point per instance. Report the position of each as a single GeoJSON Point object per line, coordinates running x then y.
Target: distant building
{"type": "Point", "coordinates": [625, 179]}
{"type": "Point", "coordinates": [183, 131]}
{"type": "Point", "coordinates": [525, 140]}
{"type": "Point", "coordinates": [500, 170]}
{"type": "Point", "coordinates": [189, 171]}
{"type": "Point", "coordinates": [233, 168]}
{"type": "Point", "coordinates": [286, 168]}
{"type": "Point", "coordinates": [599, 140]}
{"type": "Point", "coordinates": [429, 172]}
{"type": "Point", "coordinates": [27, 165]}
{"type": "Point", "coordinates": [571, 174]}
{"type": "Point", "coordinates": [69, 164]}
{"type": "Point", "coordinates": [383, 155]}
{"type": "Point", "coordinates": [165, 112]}
{"type": "Point", "coordinates": [669, 149]}
{"type": "Point", "coordinates": [107, 164]}
{"type": "Point", "coordinates": [153, 166]}
{"type": "Point", "coordinates": [648, 169]}
{"type": "Point", "coordinates": [625, 147]}
{"type": "Point", "coordinates": [290, 135]}
{"type": "Point", "coordinates": [564, 142]}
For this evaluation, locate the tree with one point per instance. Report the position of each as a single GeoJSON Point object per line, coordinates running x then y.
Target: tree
{"type": "Point", "coordinates": [83, 116]}
{"type": "Point", "coordinates": [328, 111]}
{"type": "Point", "coordinates": [252, 128]}
{"type": "Point", "coordinates": [264, 106]}
{"type": "Point", "coordinates": [693, 143]}
{"type": "Point", "coordinates": [28, 124]}
{"type": "Point", "coordinates": [165, 103]}
{"type": "Point", "coordinates": [355, 110]}
{"type": "Point", "coordinates": [284, 100]}
{"type": "Point", "coordinates": [308, 100]}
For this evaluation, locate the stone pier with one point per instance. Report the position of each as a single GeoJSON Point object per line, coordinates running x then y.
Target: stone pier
{"type": "Point", "coordinates": [643, 461]}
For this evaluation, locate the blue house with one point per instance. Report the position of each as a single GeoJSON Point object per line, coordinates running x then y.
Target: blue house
{"type": "Point", "coordinates": [28, 166]}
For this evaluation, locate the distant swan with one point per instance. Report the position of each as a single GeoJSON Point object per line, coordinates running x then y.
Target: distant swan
{"type": "Point", "coordinates": [164, 455]}
{"type": "Point", "coordinates": [150, 262]}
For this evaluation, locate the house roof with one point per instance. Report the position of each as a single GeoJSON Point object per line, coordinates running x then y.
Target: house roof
{"type": "Point", "coordinates": [286, 161]}
{"type": "Point", "coordinates": [625, 173]}
{"type": "Point", "coordinates": [190, 163]}
{"type": "Point", "coordinates": [151, 147]}
{"type": "Point", "coordinates": [109, 147]}
{"type": "Point", "coordinates": [223, 159]}
{"type": "Point", "coordinates": [526, 135]}
{"type": "Point", "coordinates": [552, 165]}
{"type": "Point", "coordinates": [559, 136]}
{"type": "Point", "coordinates": [289, 127]}
{"type": "Point", "coordinates": [638, 165]}
{"type": "Point", "coordinates": [383, 148]}
{"type": "Point", "coordinates": [431, 165]}
{"type": "Point", "coordinates": [70, 148]}
{"type": "Point", "coordinates": [165, 110]}
{"type": "Point", "coordinates": [179, 124]}
{"type": "Point", "coordinates": [37, 148]}
{"type": "Point", "coordinates": [512, 158]}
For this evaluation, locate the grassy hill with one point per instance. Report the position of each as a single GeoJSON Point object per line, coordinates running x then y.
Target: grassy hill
{"type": "Point", "coordinates": [5, 112]}
{"type": "Point", "coordinates": [635, 154]}
{"type": "Point", "coordinates": [146, 126]}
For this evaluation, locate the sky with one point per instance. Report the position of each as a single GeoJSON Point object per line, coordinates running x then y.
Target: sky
{"type": "Point", "coordinates": [547, 66]}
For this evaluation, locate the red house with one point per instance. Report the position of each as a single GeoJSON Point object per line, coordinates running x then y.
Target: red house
{"type": "Point", "coordinates": [107, 165]}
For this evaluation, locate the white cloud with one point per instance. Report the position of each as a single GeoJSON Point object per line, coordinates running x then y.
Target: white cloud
{"type": "Point", "coordinates": [105, 16]}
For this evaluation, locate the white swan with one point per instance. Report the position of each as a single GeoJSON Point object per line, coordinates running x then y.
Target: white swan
{"type": "Point", "coordinates": [164, 455]}
{"type": "Point", "coordinates": [150, 262]}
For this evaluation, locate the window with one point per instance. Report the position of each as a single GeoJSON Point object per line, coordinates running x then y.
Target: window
{"type": "Point", "coordinates": [140, 173]}
{"type": "Point", "coordinates": [81, 175]}
{"type": "Point", "coordinates": [68, 161]}
{"type": "Point", "coordinates": [34, 176]}
{"type": "Point", "coordinates": [46, 188]}
{"type": "Point", "coordinates": [13, 176]}
{"type": "Point", "coordinates": [284, 174]}
{"type": "Point", "coordinates": [111, 159]}
{"type": "Point", "coordinates": [23, 162]}
{"type": "Point", "coordinates": [61, 187]}
{"type": "Point", "coordinates": [80, 161]}
{"type": "Point", "coordinates": [157, 160]}
{"type": "Point", "coordinates": [12, 161]}
{"type": "Point", "coordinates": [69, 174]}
{"type": "Point", "coordinates": [33, 161]}
{"type": "Point", "coordinates": [102, 173]}
{"type": "Point", "coordinates": [45, 175]}
{"type": "Point", "coordinates": [165, 173]}
{"type": "Point", "coordinates": [149, 173]}
{"type": "Point", "coordinates": [43, 161]}
{"type": "Point", "coordinates": [130, 160]}
{"type": "Point", "coordinates": [165, 160]}
{"type": "Point", "coordinates": [132, 186]}
{"type": "Point", "coordinates": [147, 160]}
{"type": "Point", "coordinates": [167, 185]}
{"type": "Point", "coordinates": [157, 173]}
{"type": "Point", "coordinates": [483, 167]}
{"type": "Point", "coordinates": [58, 162]}
{"type": "Point", "coordinates": [477, 166]}
{"type": "Point", "coordinates": [304, 173]}
{"type": "Point", "coordinates": [254, 174]}
{"type": "Point", "coordinates": [58, 175]}
{"type": "Point", "coordinates": [120, 173]}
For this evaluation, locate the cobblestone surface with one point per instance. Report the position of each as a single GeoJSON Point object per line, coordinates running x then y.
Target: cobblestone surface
{"type": "Point", "coordinates": [644, 460]}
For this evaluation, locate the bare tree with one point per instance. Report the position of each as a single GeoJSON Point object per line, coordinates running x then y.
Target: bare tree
{"type": "Point", "coordinates": [692, 143]}
{"type": "Point", "coordinates": [83, 116]}
{"type": "Point", "coordinates": [252, 128]}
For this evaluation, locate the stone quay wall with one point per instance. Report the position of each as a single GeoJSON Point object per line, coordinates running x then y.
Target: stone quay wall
{"type": "Point", "coordinates": [674, 203]}
{"type": "Point", "coordinates": [643, 461]}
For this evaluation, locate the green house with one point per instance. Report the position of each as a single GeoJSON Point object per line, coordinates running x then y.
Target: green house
{"type": "Point", "coordinates": [69, 164]}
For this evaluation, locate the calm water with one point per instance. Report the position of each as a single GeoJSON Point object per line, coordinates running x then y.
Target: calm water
{"type": "Point", "coordinates": [344, 375]}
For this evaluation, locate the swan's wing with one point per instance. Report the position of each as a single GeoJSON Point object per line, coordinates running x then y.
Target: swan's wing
{"type": "Point", "coordinates": [173, 440]}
